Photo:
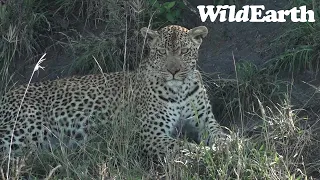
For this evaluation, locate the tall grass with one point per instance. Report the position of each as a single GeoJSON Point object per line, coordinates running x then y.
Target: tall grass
{"type": "Point", "coordinates": [81, 28]}
{"type": "Point", "coordinates": [299, 43]}
{"type": "Point", "coordinates": [19, 30]}
{"type": "Point", "coordinates": [276, 152]}
{"type": "Point", "coordinates": [233, 96]}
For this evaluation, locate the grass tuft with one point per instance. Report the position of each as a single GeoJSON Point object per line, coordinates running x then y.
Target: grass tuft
{"type": "Point", "coordinates": [299, 44]}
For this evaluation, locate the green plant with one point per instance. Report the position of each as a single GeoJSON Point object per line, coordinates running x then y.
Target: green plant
{"type": "Point", "coordinates": [20, 28]}
{"type": "Point", "coordinates": [300, 44]}
{"type": "Point", "coordinates": [103, 49]}
{"type": "Point", "coordinates": [240, 94]}
{"type": "Point", "coordinates": [167, 11]}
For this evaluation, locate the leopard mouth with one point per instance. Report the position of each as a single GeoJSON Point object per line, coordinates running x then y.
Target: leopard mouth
{"type": "Point", "coordinates": [174, 79]}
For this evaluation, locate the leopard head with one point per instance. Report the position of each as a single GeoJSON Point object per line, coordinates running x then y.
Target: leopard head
{"type": "Point", "coordinates": [173, 51]}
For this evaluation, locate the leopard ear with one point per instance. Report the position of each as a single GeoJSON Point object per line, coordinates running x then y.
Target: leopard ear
{"type": "Point", "coordinates": [198, 33]}
{"type": "Point", "coordinates": [151, 34]}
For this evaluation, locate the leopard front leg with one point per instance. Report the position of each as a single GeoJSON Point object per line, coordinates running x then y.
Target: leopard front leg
{"type": "Point", "coordinates": [198, 111]}
{"type": "Point", "coordinates": [156, 135]}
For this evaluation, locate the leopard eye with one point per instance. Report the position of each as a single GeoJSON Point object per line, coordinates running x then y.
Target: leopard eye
{"type": "Point", "coordinates": [184, 50]}
{"type": "Point", "coordinates": [162, 51]}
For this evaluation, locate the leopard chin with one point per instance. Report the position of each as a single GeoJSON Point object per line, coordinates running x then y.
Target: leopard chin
{"type": "Point", "coordinates": [174, 83]}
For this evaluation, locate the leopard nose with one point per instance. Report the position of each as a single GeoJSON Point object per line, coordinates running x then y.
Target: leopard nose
{"type": "Point", "coordinates": [173, 71]}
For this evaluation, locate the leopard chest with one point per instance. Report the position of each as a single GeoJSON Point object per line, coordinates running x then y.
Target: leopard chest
{"type": "Point", "coordinates": [174, 109]}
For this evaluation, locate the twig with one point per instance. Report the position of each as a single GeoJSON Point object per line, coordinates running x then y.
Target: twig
{"type": "Point", "coordinates": [52, 171]}
{"type": "Point", "coordinates": [194, 10]}
{"type": "Point", "coordinates": [36, 68]}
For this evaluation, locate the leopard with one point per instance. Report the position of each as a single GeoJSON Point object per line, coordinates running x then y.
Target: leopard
{"type": "Point", "coordinates": [170, 97]}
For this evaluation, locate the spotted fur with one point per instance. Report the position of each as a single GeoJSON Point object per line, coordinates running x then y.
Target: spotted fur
{"type": "Point", "coordinates": [169, 95]}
